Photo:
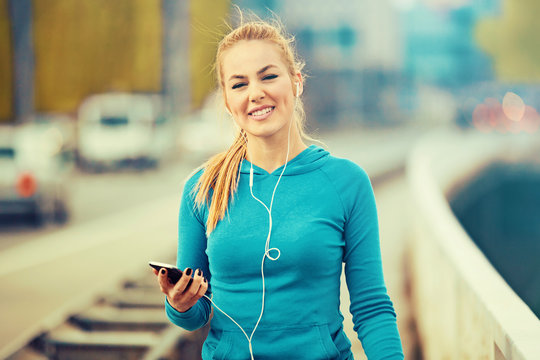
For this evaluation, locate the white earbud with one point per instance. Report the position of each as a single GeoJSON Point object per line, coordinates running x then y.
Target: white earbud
{"type": "Point", "coordinates": [297, 89]}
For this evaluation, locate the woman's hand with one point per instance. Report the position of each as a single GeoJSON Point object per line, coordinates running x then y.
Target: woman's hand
{"type": "Point", "coordinates": [184, 294]}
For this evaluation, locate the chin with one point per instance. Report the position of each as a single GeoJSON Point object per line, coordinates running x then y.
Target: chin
{"type": "Point", "coordinates": [266, 129]}
{"type": "Point", "coordinates": [267, 133]}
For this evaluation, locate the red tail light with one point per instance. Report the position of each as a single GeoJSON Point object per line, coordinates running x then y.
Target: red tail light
{"type": "Point", "coordinates": [26, 185]}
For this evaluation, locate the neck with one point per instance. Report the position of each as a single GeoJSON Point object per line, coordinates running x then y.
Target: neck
{"type": "Point", "coordinates": [271, 153]}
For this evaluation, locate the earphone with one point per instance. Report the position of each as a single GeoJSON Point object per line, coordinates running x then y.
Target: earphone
{"type": "Point", "coordinates": [267, 248]}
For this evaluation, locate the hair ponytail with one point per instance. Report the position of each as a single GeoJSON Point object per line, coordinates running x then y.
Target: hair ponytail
{"type": "Point", "coordinates": [221, 173]}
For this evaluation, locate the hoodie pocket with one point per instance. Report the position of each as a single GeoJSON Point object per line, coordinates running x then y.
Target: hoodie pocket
{"type": "Point", "coordinates": [225, 346]}
{"type": "Point", "coordinates": [306, 342]}
{"type": "Point", "coordinates": [328, 343]}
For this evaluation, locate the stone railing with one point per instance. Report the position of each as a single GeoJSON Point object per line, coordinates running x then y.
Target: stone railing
{"type": "Point", "coordinates": [464, 309]}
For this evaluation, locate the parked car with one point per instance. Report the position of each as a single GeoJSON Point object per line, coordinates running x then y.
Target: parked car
{"type": "Point", "coordinates": [34, 174]}
{"type": "Point", "coordinates": [66, 126]}
{"type": "Point", "coordinates": [120, 129]}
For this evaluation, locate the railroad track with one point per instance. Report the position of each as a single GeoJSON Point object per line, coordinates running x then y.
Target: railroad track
{"type": "Point", "coordinates": [128, 323]}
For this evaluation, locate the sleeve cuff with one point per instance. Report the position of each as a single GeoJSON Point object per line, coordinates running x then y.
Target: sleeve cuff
{"type": "Point", "coordinates": [189, 320]}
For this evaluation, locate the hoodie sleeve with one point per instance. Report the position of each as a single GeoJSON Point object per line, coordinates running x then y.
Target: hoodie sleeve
{"type": "Point", "coordinates": [191, 253]}
{"type": "Point", "coordinates": [373, 312]}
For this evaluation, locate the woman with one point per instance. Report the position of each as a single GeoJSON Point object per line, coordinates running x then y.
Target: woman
{"type": "Point", "coordinates": [265, 226]}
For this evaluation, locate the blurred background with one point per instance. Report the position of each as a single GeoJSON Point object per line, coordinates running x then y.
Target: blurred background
{"type": "Point", "coordinates": [107, 106]}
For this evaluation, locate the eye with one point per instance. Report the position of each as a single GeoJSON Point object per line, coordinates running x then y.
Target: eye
{"type": "Point", "coordinates": [270, 77]}
{"type": "Point", "coordinates": [239, 85]}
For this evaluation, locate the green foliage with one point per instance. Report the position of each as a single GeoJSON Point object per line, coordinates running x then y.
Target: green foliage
{"type": "Point", "coordinates": [513, 42]}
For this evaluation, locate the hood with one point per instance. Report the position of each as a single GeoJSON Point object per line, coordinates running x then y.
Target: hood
{"type": "Point", "coordinates": [308, 160]}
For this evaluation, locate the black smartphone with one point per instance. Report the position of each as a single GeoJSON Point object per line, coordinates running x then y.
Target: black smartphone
{"type": "Point", "coordinates": [173, 273]}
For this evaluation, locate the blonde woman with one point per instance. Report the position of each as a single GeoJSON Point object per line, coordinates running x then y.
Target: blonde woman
{"type": "Point", "coordinates": [265, 226]}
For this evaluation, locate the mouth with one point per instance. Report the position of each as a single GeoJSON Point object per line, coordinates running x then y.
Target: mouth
{"type": "Point", "coordinates": [261, 111]}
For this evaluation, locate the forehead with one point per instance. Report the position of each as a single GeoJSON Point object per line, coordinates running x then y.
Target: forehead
{"type": "Point", "coordinates": [249, 56]}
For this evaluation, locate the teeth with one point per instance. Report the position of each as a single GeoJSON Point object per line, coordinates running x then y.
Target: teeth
{"type": "Point", "coordinates": [262, 112]}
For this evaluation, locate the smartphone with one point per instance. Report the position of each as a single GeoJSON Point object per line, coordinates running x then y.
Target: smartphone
{"type": "Point", "coordinates": [173, 273]}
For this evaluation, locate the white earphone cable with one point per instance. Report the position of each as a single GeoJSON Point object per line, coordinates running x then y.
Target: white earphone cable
{"type": "Point", "coordinates": [267, 244]}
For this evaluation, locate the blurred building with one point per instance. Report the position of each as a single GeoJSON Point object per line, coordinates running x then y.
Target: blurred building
{"type": "Point", "coordinates": [352, 52]}
{"type": "Point", "coordinates": [440, 45]}
{"type": "Point", "coordinates": [369, 61]}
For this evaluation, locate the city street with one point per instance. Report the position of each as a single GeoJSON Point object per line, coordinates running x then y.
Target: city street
{"type": "Point", "coordinates": [108, 107]}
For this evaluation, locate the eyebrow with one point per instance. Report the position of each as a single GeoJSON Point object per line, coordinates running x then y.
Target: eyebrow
{"type": "Point", "coordinates": [262, 70]}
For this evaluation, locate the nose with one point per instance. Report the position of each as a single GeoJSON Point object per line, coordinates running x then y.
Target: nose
{"type": "Point", "coordinates": [256, 94]}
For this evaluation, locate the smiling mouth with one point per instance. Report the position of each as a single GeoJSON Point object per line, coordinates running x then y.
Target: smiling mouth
{"type": "Point", "coordinates": [262, 112]}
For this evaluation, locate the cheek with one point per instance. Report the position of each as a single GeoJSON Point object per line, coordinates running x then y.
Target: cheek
{"type": "Point", "coordinates": [233, 102]}
{"type": "Point", "coordinates": [286, 96]}
{"type": "Point", "coordinates": [287, 103]}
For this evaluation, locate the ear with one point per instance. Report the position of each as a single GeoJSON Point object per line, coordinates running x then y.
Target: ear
{"type": "Point", "coordinates": [299, 84]}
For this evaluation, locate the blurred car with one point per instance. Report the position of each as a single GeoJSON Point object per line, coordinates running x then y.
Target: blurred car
{"type": "Point", "coordinates": [34, 170]}
{"type": "Point", "coordinates": [66, 126]}
{"type": "Point", "coordinates": [120, 129]}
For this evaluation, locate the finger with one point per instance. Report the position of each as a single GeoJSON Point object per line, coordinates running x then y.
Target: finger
{"type": "Point", "coordinates": [195, 292]}
{"type": "Point", "coordinates": [185, 279]}
{"type": "Point", "coordinates": [164, 282]}
{"type": "Point", "coordinates": [155, 271]}
{"type": "Point", "coordinates": [192, 291]}
{"type": "Point", "coordinates": [202, 289]}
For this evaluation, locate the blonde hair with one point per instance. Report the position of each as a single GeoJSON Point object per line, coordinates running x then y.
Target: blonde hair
{"type": "Point", "coordinates": [221, 172]}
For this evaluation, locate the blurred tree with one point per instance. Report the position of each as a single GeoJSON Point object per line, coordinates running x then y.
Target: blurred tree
{"type": "Point", "coordinates": [512, 40]}
{"type": "Point", "coordinates": [207, 28]}
{"type": "Point", "coordinates": [86, 47]}
{"type": "Point", "coordinates": [6, 67]}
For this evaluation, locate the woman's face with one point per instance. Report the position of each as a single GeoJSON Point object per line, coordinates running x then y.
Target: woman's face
{"type": "Point", "coordinates": [258, 90]}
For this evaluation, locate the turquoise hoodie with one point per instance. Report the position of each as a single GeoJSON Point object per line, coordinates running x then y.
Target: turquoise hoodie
{"type": "Point", "coordinates": [324, 214]}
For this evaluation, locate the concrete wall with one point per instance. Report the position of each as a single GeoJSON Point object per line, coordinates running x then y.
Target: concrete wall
{"type": "Point", "coordinates": [464, 309]}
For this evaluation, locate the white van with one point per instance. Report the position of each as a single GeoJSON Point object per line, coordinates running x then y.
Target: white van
{"type": "Point", "coordinates": [119, 129]}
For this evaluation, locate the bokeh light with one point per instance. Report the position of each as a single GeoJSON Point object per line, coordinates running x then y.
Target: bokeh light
{"type": "Point", "coordinates": [512, 116]}
{"type": "Point", "coordinates": [513, 106]}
